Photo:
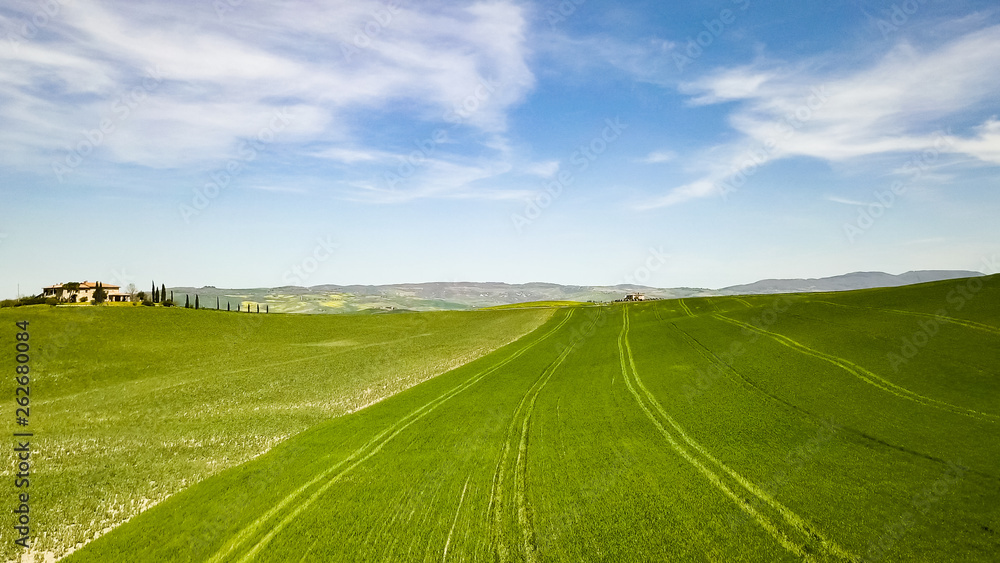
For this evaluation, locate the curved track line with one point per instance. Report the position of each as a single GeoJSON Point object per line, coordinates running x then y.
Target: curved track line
{"type": "Point", "coordinates": [685, 307]}
{"type": "Point", "coordinates": [706, 353]}
{"type": "Point", "coordinates": [497, 492]}
{"type": "Point", "coordinates": [777, 534]}
{"type": "Point", "coordinates": [461, 499]}
{"type": "Point", "coordinates": [862, 373]}
{"type": "Point", "coordinates": [521, 469]}
{"type": "Point", "coordinates": [815, 418]}
{"type": "Point", "coordinates": [793, 519]}
{"type": "Point", "coordinates": [306, 554]}
{"type": "Point", "coordinates": [375, 444]}
{"type": "Point", "coordinates": [944, 318]}
{"type": "Point", "coordinates": [744, 301]}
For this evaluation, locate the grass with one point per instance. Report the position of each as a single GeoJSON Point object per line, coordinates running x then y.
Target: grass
{"type": "Point", "coordinates": [131, 405]}
{"type": "Point", "coordinates": [538, 304]}
{"type": "Point", "coordinates": [757, 428]}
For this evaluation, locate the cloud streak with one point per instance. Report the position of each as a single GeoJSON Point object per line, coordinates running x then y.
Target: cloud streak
{"type": "Point", "coordinates": [899, 105]}
{"type": "Point", "coordinates": [334, 64]}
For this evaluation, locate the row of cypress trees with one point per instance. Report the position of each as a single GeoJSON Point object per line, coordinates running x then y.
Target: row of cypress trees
{"type": "Point", "coordinates": [159, 295]}
{"type": "Point", "coordinates": [218, 304]}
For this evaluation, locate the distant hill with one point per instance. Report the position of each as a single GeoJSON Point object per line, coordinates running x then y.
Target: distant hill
{"type": "Point", "coordinates": [855, 280]}
{"type": "Point", "coordinates": [432, 296]}
{"type": "Point", "coordinates": [450, 296]}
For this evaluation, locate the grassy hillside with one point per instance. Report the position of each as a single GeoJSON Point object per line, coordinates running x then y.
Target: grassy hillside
{"type": "Point", "coordinates": [132, 404]}
{"type": "Point", "coordinates": [765, 428]}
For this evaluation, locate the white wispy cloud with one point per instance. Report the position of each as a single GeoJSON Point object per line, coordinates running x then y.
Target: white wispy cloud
{"type": "Point", "coordinates": [896, 105]}
{"type": "Point", "coordinates": [546, 169]}
{"type": "Point", "coordinates": [659, 157]}
{"type": "Point", "coordinates": [224, 73]}
{"type": "Point", "coordinates": [845, 201]}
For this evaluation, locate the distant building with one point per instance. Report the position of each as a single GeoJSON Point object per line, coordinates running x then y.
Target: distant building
{"type": "Point", "coordinates": [635, 297]}
{"type": "Point", "coordinates": [84, 291]}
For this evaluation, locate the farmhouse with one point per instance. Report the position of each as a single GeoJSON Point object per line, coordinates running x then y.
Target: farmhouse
{"type": "Point", "coordinates": [635, 297]}
{"type": "Point", "coordinates": [75, 292]}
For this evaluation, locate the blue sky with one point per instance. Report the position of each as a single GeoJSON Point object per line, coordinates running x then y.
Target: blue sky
{"type": "Point", "coordinates": [246, 144]}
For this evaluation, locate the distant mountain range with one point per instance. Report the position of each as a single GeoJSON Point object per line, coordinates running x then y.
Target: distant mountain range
{"type": "Point", "coordinates": [855, 280]}
{"type": "Point", "coordinates": [435, 296]}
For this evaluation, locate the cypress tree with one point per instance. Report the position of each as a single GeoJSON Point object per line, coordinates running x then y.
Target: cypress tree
{"type": "Point", "coordinates": [187, 301]}
{"type": "Point", "coordinates": [153, 293]}
{"type": "Point", "coordinates": [196, 306]}
{"type": "Point", "coordinates": [227, 305]}
{"type": "Point", "coordinates": [216, 302]}
{"type": "Point", "coordinates": [258, 307]}
{"type": "Point", "coordinates": [163, 293]}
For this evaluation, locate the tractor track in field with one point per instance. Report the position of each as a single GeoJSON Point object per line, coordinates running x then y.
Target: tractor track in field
{"type": "Point", "coordinates": [862, 373]}
{"type": "Point", "coordinates": [811, 538]}
{"type": "Point", "coordinates": [708, 354]}
{"type": "Point", "coordinates": [458, 511]}
{"type": "Point", "coordinates": [306, 554]}
{"type": "Point", "coordinates": [805, 413]}
{"type": "Point", "coordinates": [944, 318]}
{"type": "Point", "coordinates": [684, 306]}
{"type": "Point", "coordinates": [498, 491]}
{"type": "Point", "coordinates": [524, 516]}
{"type": "Point", "coordinates": [356, 458]}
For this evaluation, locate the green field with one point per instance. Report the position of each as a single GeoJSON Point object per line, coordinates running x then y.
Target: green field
{"type": "Point", "coordinates": [537, 304]}
{"type": "Point", "coordinates": [856, 426]}
{"type": "Point", "coordinates": [133, 404]}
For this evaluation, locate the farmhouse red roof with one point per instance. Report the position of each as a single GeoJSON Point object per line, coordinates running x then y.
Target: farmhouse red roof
{"type": "Point", "coordinates": [84, 285]}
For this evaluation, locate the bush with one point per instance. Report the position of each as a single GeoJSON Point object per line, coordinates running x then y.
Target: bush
{"type": "Point", "coordinates": [147, 302]}
{"type": "Point", "coordinates": [33, 300]}
{"type": "Point", "coordinates": [168, 303]}
{"type": "Point", "coordinates": [83, 300]}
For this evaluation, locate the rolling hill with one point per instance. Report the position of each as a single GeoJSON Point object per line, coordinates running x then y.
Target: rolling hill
{"type": "Point", "coordinates": [457, 296]}
{"type": "Point", "coordinates": [844, 426]}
